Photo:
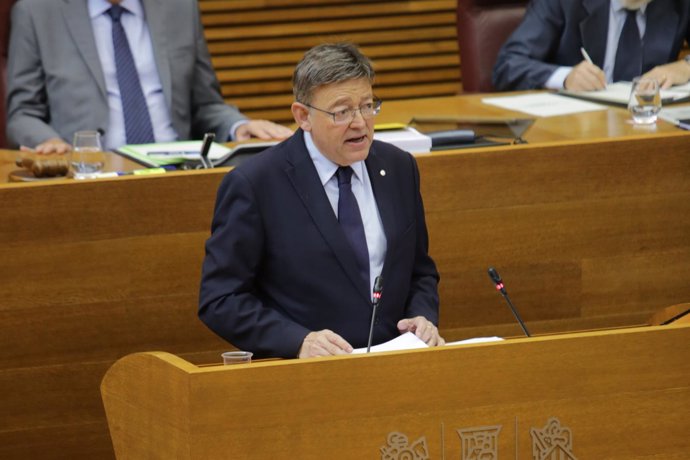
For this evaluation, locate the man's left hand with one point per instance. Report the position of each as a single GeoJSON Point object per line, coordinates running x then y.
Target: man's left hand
{"type": "Point", "coordinates": [262, 129]}
{"type": "Point", "coordinates": [675, 73]}
{"type": "Point", "coordinates": [422, 328]}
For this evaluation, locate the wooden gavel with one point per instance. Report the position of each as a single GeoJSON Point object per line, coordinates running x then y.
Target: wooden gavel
{"type": "Point", "coordinates": [49, 167]}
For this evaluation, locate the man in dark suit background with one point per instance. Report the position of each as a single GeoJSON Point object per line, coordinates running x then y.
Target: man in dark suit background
{"type": "Point", "coordinates": [545, 49]}
{"type": "Point", "coordinates": [62, 74]}
{"type": "Point", "coordinates": [282, 276]}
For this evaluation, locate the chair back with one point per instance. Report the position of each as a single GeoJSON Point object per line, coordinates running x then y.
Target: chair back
{"type": "Point", "coordinates": [483, 27]}
{"type": "Point", "coordinates": [5, 8]}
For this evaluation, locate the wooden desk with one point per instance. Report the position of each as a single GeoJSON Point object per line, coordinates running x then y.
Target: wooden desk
{"type": "Point", "coordinates": [586, 234]}
{"type": "Point", "coordinates": [113, 162]}
{"type": "Point", "coordinates": [612, 394]}
{"type": "Point", "coordinates": [614, 122]}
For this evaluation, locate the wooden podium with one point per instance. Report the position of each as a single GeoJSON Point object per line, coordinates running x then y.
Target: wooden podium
{"type": "Point", "coordinates": [594, 395]}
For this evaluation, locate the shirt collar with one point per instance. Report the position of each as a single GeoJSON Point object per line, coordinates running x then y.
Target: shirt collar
{"type": "Point", "coordinates": [99, 7]}
{"type": "Point", "coordinates": [325, 167]}
{"type": "Point", "coordinates": [618, 7]}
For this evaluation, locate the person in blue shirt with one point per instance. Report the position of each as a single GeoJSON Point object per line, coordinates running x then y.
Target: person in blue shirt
{"type": "Point", "coordinates": [62, 75]}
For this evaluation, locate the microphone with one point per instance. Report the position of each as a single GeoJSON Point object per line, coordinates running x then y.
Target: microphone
{"type": "Point", "coordinates": [496, 278]}
{"type": "Point", "coordinates": [376, 298]}
{"type": "Point", "coordinates": [206, 163]}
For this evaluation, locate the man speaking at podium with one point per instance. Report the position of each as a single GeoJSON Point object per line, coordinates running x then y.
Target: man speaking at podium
{"type": "Point", "coordinates": [301, 231]}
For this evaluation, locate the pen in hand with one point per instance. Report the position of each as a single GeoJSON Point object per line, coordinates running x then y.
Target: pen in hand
{"type": "Point", "coordinates": [591, 78]}
{"type": "Point", "coordinates": [585, 55]}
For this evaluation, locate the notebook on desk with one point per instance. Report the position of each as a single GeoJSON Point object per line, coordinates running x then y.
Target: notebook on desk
{"type": "Point", "coordinates": [177, 153]}
{"type": "Point", "coordinates": [619, 94]}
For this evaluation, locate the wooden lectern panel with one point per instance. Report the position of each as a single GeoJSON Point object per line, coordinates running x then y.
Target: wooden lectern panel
{"type": "Point", "coordinates": [615, 394]}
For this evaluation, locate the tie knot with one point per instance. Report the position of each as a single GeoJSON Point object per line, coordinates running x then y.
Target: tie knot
{"type": "Point", "coordinates": [115, 12]}
{"type": "Point", "coordinates": [344, 174]}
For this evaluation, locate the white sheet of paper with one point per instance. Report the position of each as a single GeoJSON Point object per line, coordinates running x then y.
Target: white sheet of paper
{"type": "Point", "coordinates": [543, 104]}
{"type": "Point", "coordinates": [406, 341]}
{"type": "Point", "coordinates": [476, 340]}
{"type": "Point", "coordinates": [409, 341]}
{"type": "Point", "coordinates": [675, 114]}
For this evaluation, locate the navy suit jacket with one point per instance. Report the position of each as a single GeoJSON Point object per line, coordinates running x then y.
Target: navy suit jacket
{"type": "Point", "coordinates": [553, 31]}
{"type": "Point", "coordinates": [278, 265]}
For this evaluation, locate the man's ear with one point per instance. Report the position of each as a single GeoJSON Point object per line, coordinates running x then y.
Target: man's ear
{"type": "Point", "coordinates": [301, 114]}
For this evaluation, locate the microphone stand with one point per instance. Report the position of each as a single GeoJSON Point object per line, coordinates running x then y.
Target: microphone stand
{"type": "Point", "coordinates": [376, 298]}
{"type": "Point", "coordinates": [496, 278]}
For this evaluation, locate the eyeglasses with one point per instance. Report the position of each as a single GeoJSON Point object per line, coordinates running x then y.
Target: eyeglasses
{"type": "Point", "coordinates": [345, 116]}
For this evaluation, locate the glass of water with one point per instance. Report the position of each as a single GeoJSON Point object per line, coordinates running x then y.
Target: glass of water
{"type": "Point", "coordinates": [87, 159]}
{"type": "Point", "coordinates": [645, 101]}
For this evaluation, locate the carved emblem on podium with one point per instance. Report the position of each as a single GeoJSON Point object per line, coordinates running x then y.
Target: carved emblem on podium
{"type": "Point", "coordinates": [399, 448]}
{"type": "Point", "coordinates": [552, 442]}
{"type": "Point", "coordinates": [480, 443]}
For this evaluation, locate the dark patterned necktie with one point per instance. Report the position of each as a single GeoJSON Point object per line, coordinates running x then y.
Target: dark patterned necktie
{"type": "Point", "coordinates": [629, 54]}
{"type": "Point", "coordinates": [138, 129]}
{"type": "Point", "coordinates": [351, 220]}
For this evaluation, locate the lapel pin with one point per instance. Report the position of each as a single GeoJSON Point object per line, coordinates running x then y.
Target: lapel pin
{"type": "Point", "coordinates": [382, 172]}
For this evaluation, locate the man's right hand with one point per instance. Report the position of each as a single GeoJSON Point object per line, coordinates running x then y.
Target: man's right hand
{"type": "Point", "coordinates": [53, 145]}
{"type": "Point", "coordinates": [585, 77]}
{"type": "Point", "coordinates": [324, 343]}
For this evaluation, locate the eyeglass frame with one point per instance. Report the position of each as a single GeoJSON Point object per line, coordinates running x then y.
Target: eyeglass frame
{"type": "Point", "coordinates": [377, 103]}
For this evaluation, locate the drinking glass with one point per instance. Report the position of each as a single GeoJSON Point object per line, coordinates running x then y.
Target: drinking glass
{"type": "Point", "coordinates": [237, 357]}
{"type": "Point", "coordinates": [645, 101]}
{"type": "Point", "coordinates": [88, 157]}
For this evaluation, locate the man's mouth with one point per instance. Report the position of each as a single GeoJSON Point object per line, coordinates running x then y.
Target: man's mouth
{"type": "Point", "coordinates": [356, 140]}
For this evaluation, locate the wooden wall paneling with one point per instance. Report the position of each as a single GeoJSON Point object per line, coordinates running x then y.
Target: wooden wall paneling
{"type": "Point", "coordinates": [256, 45]}
{"type": "Point", "coordinates": [91, 271]}
{"type": "Point", "coordinates": [610, 243]}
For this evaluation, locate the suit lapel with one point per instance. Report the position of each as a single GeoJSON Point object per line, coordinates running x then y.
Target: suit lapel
{"type": "Point", "coordinates": [159, 23]}
{"type": "Point", "coordinates": [304, 178]}
{"type": "Point", "coordinates": [384, 193]}
{"type": "Point", "coordinates": [593, 29]}
{"type": "Point", "coordinates": [660, 33]}
{"type": "Point", "coordinates": [76, 16]}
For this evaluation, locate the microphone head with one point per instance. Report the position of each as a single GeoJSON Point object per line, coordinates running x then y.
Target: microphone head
{"type": "Point", "coordinates": [378, 284]}
{"type": "Point", "coordinates": [495, 277]}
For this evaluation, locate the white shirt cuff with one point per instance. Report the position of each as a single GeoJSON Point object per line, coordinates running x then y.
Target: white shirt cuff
{"type": "Point", "coordinates": [557, 79]}
{"type": "Point", "coordinates": [233, 128]}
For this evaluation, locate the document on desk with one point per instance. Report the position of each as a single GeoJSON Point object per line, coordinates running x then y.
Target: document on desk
{"type": "Point", "coordinates": [619, 94]}
{"type": "Point", "coordinates": [161, 154]}
{"type": "Point", "coordinates": [679, 116]}
{"type": "Point", "coordinates": [543, 104]}
{"type": "Point", "coordinates": [406, 138]}
{"type": "Point", "coordinates": [409, 341]}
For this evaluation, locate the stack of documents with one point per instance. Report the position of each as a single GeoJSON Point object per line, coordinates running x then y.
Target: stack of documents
{"type": "Point", "coordinates": [406, 138]}
{"type": "Point", "coordinates": [171, 153]}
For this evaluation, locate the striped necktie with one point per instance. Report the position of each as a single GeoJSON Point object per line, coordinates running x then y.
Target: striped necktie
{"type": "Point", "coordinates": [138, 129]}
